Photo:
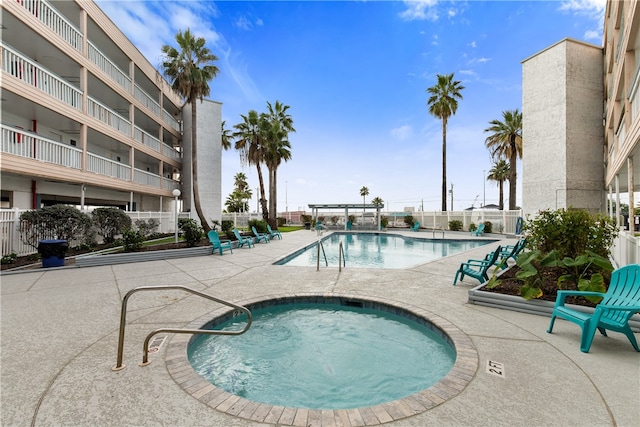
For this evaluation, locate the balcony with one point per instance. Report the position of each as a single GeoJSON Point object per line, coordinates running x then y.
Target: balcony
{"type": "Point", "coordinates": [103, 166]}
{"type": "Point", "coordinates": [108, 67]}
{"type": "Point", "coordinates": [154, 143]}
{"type": "Point", "coordinates": [107, 116]}
{"type": "Point", "coordinates": [27, 144]}
{"type": "Point", "coordinates": [146, 178]}
{"type": "Point", "coordinates": [146, 100]}
{"type": "Point", "coordinates": [171, 120]}
{"type": "Point", "coordinates": [32, 73]}
{"type": "Point", "coordinates": [50, 17]}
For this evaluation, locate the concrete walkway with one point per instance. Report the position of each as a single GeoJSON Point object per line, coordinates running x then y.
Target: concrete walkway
{"type": "Point", "coordinates": [60, 332]}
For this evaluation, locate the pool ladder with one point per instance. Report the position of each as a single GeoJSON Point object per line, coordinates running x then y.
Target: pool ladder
{"type": "Point", "coordinates": [145, 357]}
{"type": "Point", "coordinates": [440, 229]}
{"type": "Point", "coordinates": [341, 259]}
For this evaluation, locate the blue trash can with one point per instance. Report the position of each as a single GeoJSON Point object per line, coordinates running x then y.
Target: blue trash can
{"type": "Point", "coordinates": [52, 252]}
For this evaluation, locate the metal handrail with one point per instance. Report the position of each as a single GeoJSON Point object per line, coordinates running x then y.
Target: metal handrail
{"type": "Point", "coordinates": [434, 232]}
{"type": "Point", "coordinates": [341, 257]}
{"type": "Point", "coordinates": [321, 246]}
{"type": "Point", "coordinates": [145, 357]}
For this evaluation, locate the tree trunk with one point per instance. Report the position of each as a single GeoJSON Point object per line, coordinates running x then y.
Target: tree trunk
{"type": "Point", "coordinates": [194, 162]}
{"type": "Point", "coordinates": [512, 175]}
{"type": "Point", "coordinates": [273, 197]}
{"type": "Point", "coordinates": [444, 165]}
{"type": "Point", "coordinates": [263, 201]}
{"type": "Point", "coordinates": [501, 184]}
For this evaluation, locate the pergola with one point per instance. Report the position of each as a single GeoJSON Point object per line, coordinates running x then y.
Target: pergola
{"type": "Point", "coordinates": [346, 206]}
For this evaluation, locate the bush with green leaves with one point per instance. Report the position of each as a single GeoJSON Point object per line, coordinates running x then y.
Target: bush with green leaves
{"type": "Point", "coordinates": [409, 220]}
{"type": "Point", "coordinates": [191, 231]}
{"type": "Point", "coordinates": [9, 258]}
{"type": "Point", "coordinates": [53, 222]}
{"type": "Point", "coordinates": [455, 225]}
{"type": "Point", "coordinates": [571, 232]}
{"type": "Point", "coordinates": [132, 240]}
{"type": "Point", "coordinates": [488, 227]}
{"type": "Point", "coordinates": [259, 224]}
{"type": "Point", "coordinates": [148, 228]}
{"type": "Point", "coordinates": [110, 222]}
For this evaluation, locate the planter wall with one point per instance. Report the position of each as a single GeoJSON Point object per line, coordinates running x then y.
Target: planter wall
{"type": "Point", "coordinates": [123, 258]}
{"type": "Point", "coordinates": [543, 308]}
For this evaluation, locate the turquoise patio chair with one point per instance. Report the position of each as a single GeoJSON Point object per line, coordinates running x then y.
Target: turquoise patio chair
{"type": "Point", "coordinates": [243, 240]}
{"type": "Point", "coordinates": [415, 226]}
{"type": "Point", "coordinates": [477, 268]}
{"type": "Point", "coordinates": [478, 231]}
{"type": "Point", "coordinates": [259, 236]}
{"type": "Point", "coordinates": [619, 303]}
{"type": "Point", "coordinates": [217, 243]}
{"type": "Point", "coordinates": [273, 233]}
{"type": "Point", "coordinates": [506, 253]}
{"type": "Point", "coordinates": [349, 225]}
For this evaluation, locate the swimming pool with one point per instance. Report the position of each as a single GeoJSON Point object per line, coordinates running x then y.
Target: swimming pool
{"type": "Point", "coordinates": [378, 250]}
{"type": "Point", "coordinates": [336, 354]}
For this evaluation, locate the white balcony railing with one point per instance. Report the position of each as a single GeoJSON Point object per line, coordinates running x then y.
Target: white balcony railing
{"type": "Point", "coordinates": [108, 116]}
{"type": "Point", "coordinates": [105, 64]}
{"type": "Point", "coordinates": [103, 166]}
{"type": "Point", "coordinates": [171, 152]}
{"type": "Point", "coordinates": [170, 184]}
{"type": "Point", "coordinates": [53, 19]}
{"type": "Point", "coordinates": [146, 178]}
{"type": "Point", "coordinates": [146, 139]}
{"type": "Point", "coordinates": [34, 74]}
{"type": "Point", "coordinates": [27, 144]}
{"type": "Point", "coordinates": [146, 100]}
{"type": "Point", "coordinates": [171, 120]}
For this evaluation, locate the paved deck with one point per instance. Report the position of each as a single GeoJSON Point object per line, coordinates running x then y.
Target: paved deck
{"type": "Point", "coordinates": [60, 332]}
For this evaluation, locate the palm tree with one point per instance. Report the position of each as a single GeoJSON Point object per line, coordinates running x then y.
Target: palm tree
{"type": "Point", "coordinates": [189, 71]}
{"type": "Point", "coordinates": [505, 141]}
{"type": "Point", "coordinates": [364, 192]}
{"type": "Point", "coordinates": [500, 173]}
{"type": "Point", "coordinates": [249, 137]}
{"type": "Point", "coordinates": [277, 149]}
{"type": "Point", "coordinates": [226, 136]}
{"type": "Point", "coordinates": [443, 103]}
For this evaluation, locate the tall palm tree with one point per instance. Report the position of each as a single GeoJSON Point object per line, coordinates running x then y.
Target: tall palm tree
{"type": "Point", "coordinates": [226, 136]}
{"type": "Point", "coordinates": [364, 192]}
{"type": "Point", "coordinates": [500, 173]}
{"type": "Point", "coordinates": [243, 190]}
{"type": "Point", "coordinates": [505, 141]}
{"type": "Point", "coordinates": [277, 149]}
{"type": "Point", "coordinates": [443, 103]}
{"type": "Point", "coordinates": [189, 70]}
{"type": "Point", "coordinates": [249, 140]}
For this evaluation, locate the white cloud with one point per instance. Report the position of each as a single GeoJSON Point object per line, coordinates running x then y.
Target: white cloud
{"type": "Point", "coordinates": [420, 10]}
{"type": "Point", "coordinates": [592, 35]}
{"type": "Point", "coordinates": [402, 133]}
{"type": "Point", "coordinates": [588, 6]}
{"type": "Point", "coordinates": [483, 60]}
{"type": "Point", "coordinates": [473, 44]}
{"type": "Point", "coordinates": [468, 72]}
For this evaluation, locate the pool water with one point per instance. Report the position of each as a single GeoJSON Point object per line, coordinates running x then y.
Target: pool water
{"type": "Point", "coordinates": [379, 250]}
{"type": "Point", "coordinates": [323, 356]}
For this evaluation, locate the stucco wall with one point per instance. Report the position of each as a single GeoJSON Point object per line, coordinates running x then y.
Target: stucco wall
{"type": "Point", "coordinates": [562, 128]}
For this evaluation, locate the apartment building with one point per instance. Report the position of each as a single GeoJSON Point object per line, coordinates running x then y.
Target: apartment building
{"type": "Point", "coordinates": [581, 121]}
{"type": "Point", "coordinates": [88, 121]}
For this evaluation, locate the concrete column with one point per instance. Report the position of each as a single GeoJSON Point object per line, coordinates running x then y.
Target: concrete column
{"type": "Point", "coordinates": [632, 201]}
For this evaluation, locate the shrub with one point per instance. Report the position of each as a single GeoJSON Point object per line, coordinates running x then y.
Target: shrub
{"type": "Point", "coordinates": [53, 222]}
{"type": "Point", "coordinates": [472, 226]}
{"type": "Point", "coordinates": [9, 258]}
{"type": "Point", "coordinates": [227, 225]}
{"type": "Point", "coordinates": [352, 219]}
{"type": "Point", "coordinates": [259, 224]}
{"type": "Point", "coordinates": [334, 220]}
{"type": "Point", "coordinates": [571, 232]}
{"type": "Point", "coordinates": [305, 218]}
{"type": "Point", "coordinates": [384, 221]}
{"type": "Point", "coordinates": [281, 221]}
{"type": "Point", "coordinates": [191, 231]}
{"type": "Point", "coordinates": [455, 225]}
{"type": "Point", "coordinates": [148, 228]}
{"type": "Point", "coordinates": [132, 240]}
{"type": "Point", "coordinates": [409, 220]}
{"type": "Point", "coordinates": [488, 227]}
{"type": "Point", "coordinates": [110, 222]}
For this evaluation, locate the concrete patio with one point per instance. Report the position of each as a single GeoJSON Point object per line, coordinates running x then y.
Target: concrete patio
{"type": "Point", "coordinates": [60, 331]}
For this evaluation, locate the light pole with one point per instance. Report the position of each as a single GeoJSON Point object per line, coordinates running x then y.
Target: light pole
{"type": "Point", "coordinates": [286, 200]}
{"type": "Point", "coordinates": [484, 187]}
{"type": "Point", "coordinates": [176, 194]}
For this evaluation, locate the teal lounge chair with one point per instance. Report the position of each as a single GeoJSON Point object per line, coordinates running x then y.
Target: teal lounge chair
{"type": "Point", "coordinates": [243, 240]}
{"type": "Point", "coordinates": [349, 225]}
{"type": "Point", "coordinates": [273, 233]}
{"type": "Point", "coordinates": [478, 231]}
{"type": "Point", "coordinates": [415, 226]}
{"type": "Point", "coordinates": [259, 236]}
{"type": "Point", "coordinates": [217, 243]}
{"type": "Point", "coordinates": [506, 253]}
{"type": "Point", "coordinates": [477, 268]}
{"type": "Point", "coordinates": [618, 304]}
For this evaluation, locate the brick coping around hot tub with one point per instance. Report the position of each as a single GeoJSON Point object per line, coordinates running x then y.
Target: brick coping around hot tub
{"type": "Point", "coordinates": [462, 372]}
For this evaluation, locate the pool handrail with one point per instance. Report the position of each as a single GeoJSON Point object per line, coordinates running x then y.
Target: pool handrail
{"type": "Point", "coordinates": [434, 232]}
{"type": "Point", "coordinates": [145, 357]}
{"type": "Point", "coordinates": [341, 257]}
{"type": "Point", "coordinates": [321, 246]}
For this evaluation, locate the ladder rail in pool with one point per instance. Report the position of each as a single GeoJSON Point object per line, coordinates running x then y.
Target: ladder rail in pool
{"type": "Point", "coordinates": [321, 246]}
{"type": "Point", "coordinates": [145, 357]}
{"type": "Point", "coordinates": [341, 258]}
{"type": "Point", "coordinates": [434, 232]}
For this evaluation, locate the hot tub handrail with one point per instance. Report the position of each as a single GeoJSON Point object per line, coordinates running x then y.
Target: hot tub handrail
{"type": "Point", "coordinates": [145, 357]}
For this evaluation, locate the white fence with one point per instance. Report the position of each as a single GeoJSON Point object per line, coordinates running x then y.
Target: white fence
{"type": "Point", "coordinates": [11, 242]}
{"type": "Point", "coordinates": [625, 249]}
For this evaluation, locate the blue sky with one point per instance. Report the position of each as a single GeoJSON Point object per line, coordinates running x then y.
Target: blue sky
{"type": "Point", "coordinates": [355, 73]}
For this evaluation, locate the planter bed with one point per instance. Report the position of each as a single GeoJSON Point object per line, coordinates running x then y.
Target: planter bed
{"type": "Point", "coordinates": [123, 258]}
{"type": "Point", "coordinates": [514, 303]}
